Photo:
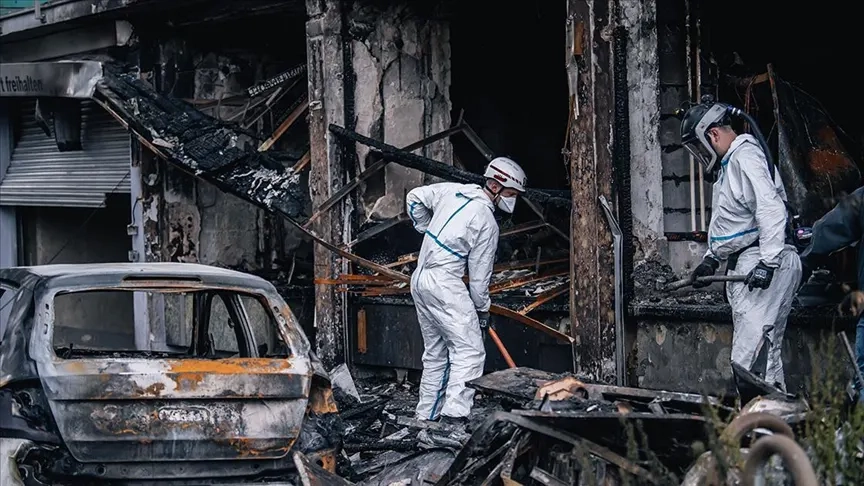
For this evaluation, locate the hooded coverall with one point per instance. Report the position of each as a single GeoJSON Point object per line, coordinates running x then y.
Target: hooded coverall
{"type": "Point", "coordinates": [839, 228]}
{"type": "Point", "coordinates": [460, 231]}
{"type": "Point", "coordinates": [749, 219]}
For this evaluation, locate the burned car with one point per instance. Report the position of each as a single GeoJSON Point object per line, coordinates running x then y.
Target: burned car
{"type": "Point", "coordinates": [155, 373]}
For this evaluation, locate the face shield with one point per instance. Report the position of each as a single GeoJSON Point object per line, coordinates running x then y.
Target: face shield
{"type": "Point", "coordinates": [703, 154]}
{"type": "Point", "coordinates": [695, 135]}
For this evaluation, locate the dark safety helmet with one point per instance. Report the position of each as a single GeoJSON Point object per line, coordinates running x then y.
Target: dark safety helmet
{"type": "Point", "coordinates": [695, 125]}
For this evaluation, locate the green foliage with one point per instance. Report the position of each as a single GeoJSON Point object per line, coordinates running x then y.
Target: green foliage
{"type": "Point", "coordinates": [836, 457]}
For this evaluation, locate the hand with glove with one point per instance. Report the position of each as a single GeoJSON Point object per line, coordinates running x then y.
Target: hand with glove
{"type": "Point", "coordinates": [705, 269]}
{"type": "Point", "coordinates": [853, 304]}
{"type": "Point", "coordinates": [760, 277]}
{"type": "Point", "coordinates": [484, 319]}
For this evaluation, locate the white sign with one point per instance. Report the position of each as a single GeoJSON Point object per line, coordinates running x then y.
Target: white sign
{"type": "Point", "coordinates": [64, 79]}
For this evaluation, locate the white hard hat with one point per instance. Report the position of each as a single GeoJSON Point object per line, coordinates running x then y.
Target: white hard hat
{"type": "Point", "coordinates": [507, 173]}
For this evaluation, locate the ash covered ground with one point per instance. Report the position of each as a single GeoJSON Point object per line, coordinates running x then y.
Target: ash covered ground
{"type": "Point", "coordinates": [650, 278]}
{"type": "Point", "coordinates": [380, 430]}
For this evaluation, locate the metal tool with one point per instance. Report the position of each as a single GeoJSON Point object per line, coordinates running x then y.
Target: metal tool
{"type": "Point", "coordinates": [680, 284]}
{"type": "Point", "coordinates": [618, 254]}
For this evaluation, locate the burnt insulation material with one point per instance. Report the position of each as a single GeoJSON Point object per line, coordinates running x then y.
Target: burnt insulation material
{"type": "Point", "coordinates": [211, 150]}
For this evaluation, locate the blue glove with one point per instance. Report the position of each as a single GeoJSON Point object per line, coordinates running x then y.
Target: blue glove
{"type": "Point", "coordinates": [484, 319]}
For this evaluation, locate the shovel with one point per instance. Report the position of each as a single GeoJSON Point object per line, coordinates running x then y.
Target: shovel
{"type": "Point", "coordinates": [680, 284]}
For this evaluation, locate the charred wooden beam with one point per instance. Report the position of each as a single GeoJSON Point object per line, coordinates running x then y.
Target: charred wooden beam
{"type": "Point", "coordinates": [592, 271]}
{"type": "Point", "coordinates": [433, 167]}
{"type": "Point", "coordinates": [522, 281]}
{"type": "Point", "coordinates": [546, 296]}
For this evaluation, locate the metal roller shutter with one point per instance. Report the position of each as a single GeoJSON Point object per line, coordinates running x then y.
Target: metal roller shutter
{"type": "Point", "coordinates": [41, 175]}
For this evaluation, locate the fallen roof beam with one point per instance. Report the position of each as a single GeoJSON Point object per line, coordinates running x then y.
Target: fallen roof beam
{"type": "Point", "coordinates": [373, 167]}
{"type": "Point", "coordinates": [434, 167]}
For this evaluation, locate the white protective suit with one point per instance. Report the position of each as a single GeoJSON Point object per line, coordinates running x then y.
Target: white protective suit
{"type": "Point", "coordinates": [747, 206]}
{"type": "Point", "coordinates": [461, 231]}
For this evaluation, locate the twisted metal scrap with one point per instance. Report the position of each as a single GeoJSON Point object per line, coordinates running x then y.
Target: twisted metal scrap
{"type": "Point", "coordinates": [762, 449]}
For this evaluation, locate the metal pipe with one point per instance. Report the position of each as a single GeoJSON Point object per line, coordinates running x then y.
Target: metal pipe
{"type": "Point", "coordinates": [691, 91]}
{"type": "Point", "coordinates": [698, 61]}
{"type": "Point", "coordinates": [617, 245]}
{"type": "Point", "coordinates": [37, 11]}
{"type": "Point", "coordinates": [794, 459]}
{"type": "Point", "coordinates": [702, 196]}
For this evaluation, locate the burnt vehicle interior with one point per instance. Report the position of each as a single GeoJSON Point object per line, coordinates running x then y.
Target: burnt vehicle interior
{"type": "Point", "coordinates": [208, 324]}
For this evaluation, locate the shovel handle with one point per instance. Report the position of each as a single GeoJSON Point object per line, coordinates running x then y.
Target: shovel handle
{"type": "Point", "coordinates": [680, 284]}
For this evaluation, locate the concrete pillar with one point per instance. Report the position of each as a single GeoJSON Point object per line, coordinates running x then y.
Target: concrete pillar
{"type": "Point", "coordinates": [326, 75]}
{"type": "Point", "coordinates": [639, 17]}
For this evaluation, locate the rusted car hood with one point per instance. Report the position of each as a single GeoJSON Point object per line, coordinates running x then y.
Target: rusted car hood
{"type": "Point", "coordinates": [142, 410]}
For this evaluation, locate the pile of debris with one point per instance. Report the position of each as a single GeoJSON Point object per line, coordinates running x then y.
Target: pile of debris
{"type": "Point", "coordinates": [530, 426]}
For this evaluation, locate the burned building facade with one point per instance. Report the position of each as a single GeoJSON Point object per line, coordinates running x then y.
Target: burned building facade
{"type": "Point", "coordinates": [320, 116]}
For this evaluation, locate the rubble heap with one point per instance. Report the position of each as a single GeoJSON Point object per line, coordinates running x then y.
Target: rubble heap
{"type": "Point", "coordinates": [530, 426]}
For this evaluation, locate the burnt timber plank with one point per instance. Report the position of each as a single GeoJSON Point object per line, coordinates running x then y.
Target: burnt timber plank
{"type": "Point", "coordinates": [592, 272]}
{"type": "Point", "coordinates": [434, 167]}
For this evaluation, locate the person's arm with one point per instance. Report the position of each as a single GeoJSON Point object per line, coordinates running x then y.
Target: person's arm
{"type": "Point", "coordinates": [481, 259]}
{"type": "Point", "coordinates": [419, 204]}
{"type": "Point", "coordinates": [839, 228]}
{"type": "Point", "coordinates": [761, 196]}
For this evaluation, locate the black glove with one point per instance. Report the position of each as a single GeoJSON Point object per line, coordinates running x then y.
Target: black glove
{"type": "Point", "coordinates": [484, 319]}
{"type": "Point", "coordinates": [852, 304]}
{"type": "Point", "coordinates": [760, 277]}
{"type": "Point", "coordinates": [705, 269]}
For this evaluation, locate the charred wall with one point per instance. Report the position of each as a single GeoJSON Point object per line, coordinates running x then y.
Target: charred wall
{"type": "Point", "coordinates": [401, 62]}
{"type": "Point", "coordinates": [706, 335]}
{"type": "Point", "coordinates": [639, 18]}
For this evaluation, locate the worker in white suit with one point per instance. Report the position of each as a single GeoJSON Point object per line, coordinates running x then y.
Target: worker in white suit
{"type": "Point", "coordinates": [460, 234]}
{"type": "Point", "coordinates": [748, 231]}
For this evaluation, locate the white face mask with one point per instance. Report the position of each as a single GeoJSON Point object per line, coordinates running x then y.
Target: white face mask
{"type": "Point", "coordinates": [507, 204]}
